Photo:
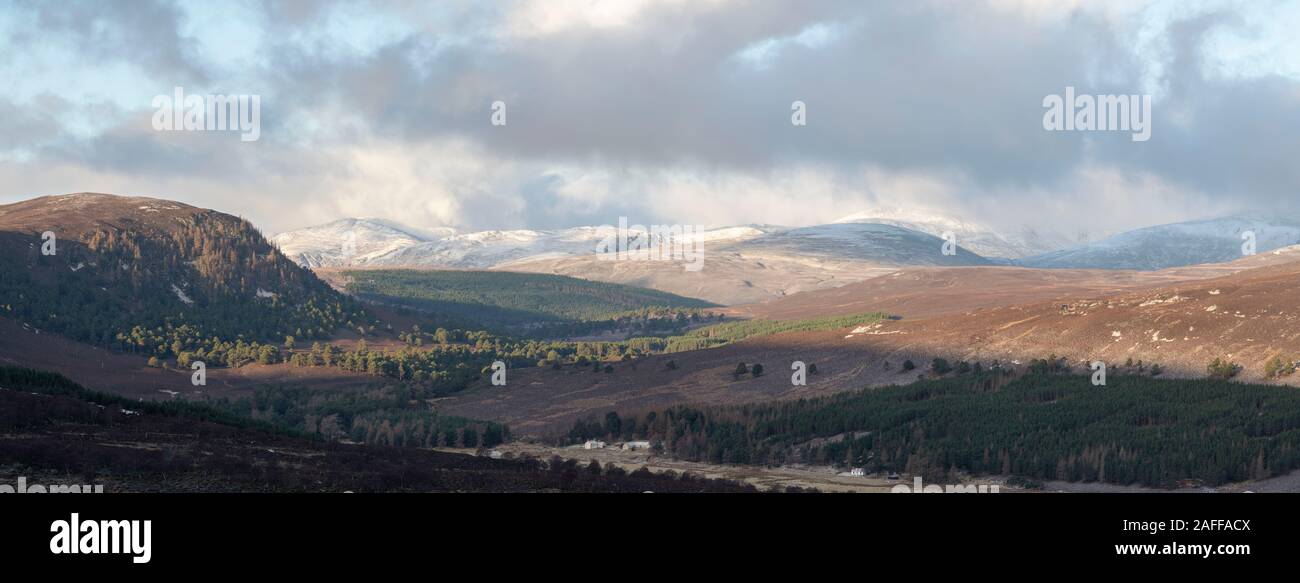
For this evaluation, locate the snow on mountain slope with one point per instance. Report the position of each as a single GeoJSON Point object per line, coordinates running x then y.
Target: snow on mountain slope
{"type": "Point", "coordinates": [345, 242]}
{"type": "Point", "coordinates": [373, 243]}
{"type": "Point", "coordinates": [486, 249]}
{"type": "Point", "coordinates": [978, 238]}
{"type": "Point", "coordinates": [873, 242]}
{"type": "Point", "coordinates": [366, 242]}
{"type": "Point", "coordinates": [745, 263]}
{"type": "Point", "coordinates": [1177, 244]}
{"type": "Point", "coordinates": [880, 236]}
{"type": "Point", "coordinates": [774, 263]}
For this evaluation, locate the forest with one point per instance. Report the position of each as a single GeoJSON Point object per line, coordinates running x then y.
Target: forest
{"type": "Point", "coordinates": [213, 288]}
{"type": "Point", "coordinates": [388, 414]}
{"type": "Point", "coordinates": [446, 361]}
{"type": "Point", "coordinates": [526, 303]}
{"type": "Point", "coordinates": [396, 415]}
{"type": "Point", "coordinates": [59, 432]}
{"type": "Point", "coordinates": [1134, 430]}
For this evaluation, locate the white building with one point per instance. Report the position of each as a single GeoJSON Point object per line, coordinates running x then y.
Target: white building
{"type": "Point", "coordinates": [635, 445]}
{"type": "Point", "coordinates": [857, 472]}
{"type": "Point", "coordinates": [593, 444]}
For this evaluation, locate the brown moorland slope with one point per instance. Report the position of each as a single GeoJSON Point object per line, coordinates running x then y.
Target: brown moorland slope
{"type": "Point", "coordinates": [727, 278]}
{"type": "Point", "coordinates": [928, 291]}
{"type": "Point", "coordinates": [1247, 316]}
{"type": "Point", "coordinates": [74, 214]}
{"type": "Point", "coordinates": [103, 369]}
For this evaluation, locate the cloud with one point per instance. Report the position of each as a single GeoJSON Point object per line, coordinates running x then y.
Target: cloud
{"type": "Point", "coordinates": [675, 111]}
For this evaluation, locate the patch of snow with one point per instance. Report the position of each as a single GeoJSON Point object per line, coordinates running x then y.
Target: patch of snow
{"type": "Point", "coordinates": [1157, 301]}
{"type": "Point", "coordinates": [181, 295]}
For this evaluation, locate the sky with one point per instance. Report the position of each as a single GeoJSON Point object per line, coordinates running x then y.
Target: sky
{"type": "Point", "coordinates": [670, 111]}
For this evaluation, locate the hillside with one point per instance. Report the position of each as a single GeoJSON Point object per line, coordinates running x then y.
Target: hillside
{"type": "Point", "coordinates": [63, 434]}
{"type": "Point", "coordinates": [978, 238]}
{"type": "Point", "coordinates": [158, 278]}
{"type": "Point", "coordinates": [1248, 317]}
{"type": "Point", "coordinates": [1135, 430]}
{"type": "Point", "coordinates": [741, 264]}
{"type": "Point", "coordinates": [778, 264]}
{"type": "Point", "coordinates": [1163, 246]}
{"type": "Point", "coordinates": [495, 299]}
{"type": "Point", "coordinates": [729, 277]}
{"type": "Point", "coordinates": [345, 242]}
{"type": "Point", "coordinates": [1180, 320]}
{"type": "Point", "coordinates": [379, 243]}
{"type": "Point", "coordinates": [914, 292]}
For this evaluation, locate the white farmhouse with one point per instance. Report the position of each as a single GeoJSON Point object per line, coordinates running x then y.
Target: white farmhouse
{"type": "Point", "coordinates": [593, 444]}
{"type": "Point", "coordinates": [635, 445]}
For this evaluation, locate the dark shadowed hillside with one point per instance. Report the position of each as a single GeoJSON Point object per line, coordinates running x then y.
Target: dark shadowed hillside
{"type": "Point", "coordinates": [52, 431]}
{"type": "Point", "coordinates": [507, 300]}
{"type": "Point", "coordinates": [158, 278]}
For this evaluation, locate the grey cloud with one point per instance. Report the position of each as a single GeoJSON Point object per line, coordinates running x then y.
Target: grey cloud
{"type": "Point", "coordinates": [908, 86]}
{"type": "Point", "coordinates": [1240, 135]}
{"type": "Point", "coordinates": [145, 33]}
{"type": "Point", "coordinates": [953, 89]}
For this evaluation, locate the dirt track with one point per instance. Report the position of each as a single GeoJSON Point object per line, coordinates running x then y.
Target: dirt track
{"type": "Point", "coordinates": [824, 479]}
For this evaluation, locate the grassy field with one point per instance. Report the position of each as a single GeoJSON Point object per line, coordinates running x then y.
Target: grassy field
{"type": "Point", "coordinates": [728, 332]}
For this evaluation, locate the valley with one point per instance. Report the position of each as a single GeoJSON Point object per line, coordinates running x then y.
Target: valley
{"type": "Point", "coordinates": [387, 355]}
{"type": "Point", "coordinates": [648, 247]}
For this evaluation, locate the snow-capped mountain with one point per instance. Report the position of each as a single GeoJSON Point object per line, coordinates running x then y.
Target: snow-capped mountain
{"type": "Point", "coordinates": [976, 237]}
{"type": "Point", "coordinates": [486, 249]}
{"type": "Point", "coordinates": [373, 243]}
{"type": "Point", "coordinates": [370, 242]}
{"type": "Point", "coordinates": [745, 263]}
{"type": "Point", "coordinates": [879, 243]}
{"type": "Point", "coordinates": [1173, 245]}
{"type": "Point", "coordinates": [882, 236]}
{"type": "Point", "coordinates": [895, 238]}
{"type": "Point", "coordinates": [347, 242]}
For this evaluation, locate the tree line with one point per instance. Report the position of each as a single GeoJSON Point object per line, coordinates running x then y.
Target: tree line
{"type": "Point", "coordinates": [1134, 430]}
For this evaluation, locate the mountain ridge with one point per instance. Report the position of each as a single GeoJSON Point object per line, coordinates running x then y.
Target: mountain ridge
{"type": "Point", "coordinates": [159, 278]}
{"type": "Point", "coordinates": [1213, 240]}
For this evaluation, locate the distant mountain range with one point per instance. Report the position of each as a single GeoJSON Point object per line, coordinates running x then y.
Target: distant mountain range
{"type": "Point", "coordinates": [742, 264]}
{"type": "Point", "coordinates": [375, 242]}
{"type": "Point", "coordinates": [978, 238]}
{"type": "Point", "coordinates": [759, 262]}
{"type": "Point", "coordinates": [1175, 245]}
